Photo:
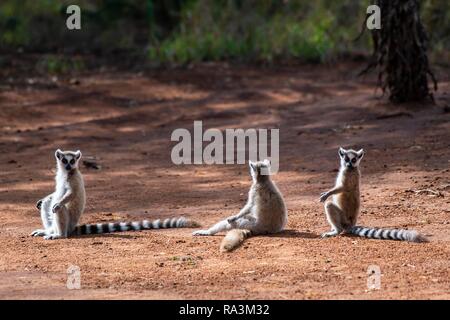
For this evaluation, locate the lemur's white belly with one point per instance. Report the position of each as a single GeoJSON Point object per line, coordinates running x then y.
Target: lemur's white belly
{"type": "Point", "coordinates": [349, 203]}
{"type": "Point", "coordinates": [76, 206]}
{"type": "Point", "coordinates": [57, 195]}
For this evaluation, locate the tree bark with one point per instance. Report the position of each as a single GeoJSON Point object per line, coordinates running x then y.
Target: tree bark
{"type": "Point", "coordinates": [400, 52]}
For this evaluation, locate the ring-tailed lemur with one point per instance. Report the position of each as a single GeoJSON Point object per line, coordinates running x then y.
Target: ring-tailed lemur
{"type": "Point", "coordinates": [342, 212]}
{"type": "Point", "coordinates": [61, 210]}
{"type": "Point", "coordinates": [264, 213]}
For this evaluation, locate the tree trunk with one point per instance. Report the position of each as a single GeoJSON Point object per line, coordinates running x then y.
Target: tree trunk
{"type": "Point", "coordinates": [400, 52]}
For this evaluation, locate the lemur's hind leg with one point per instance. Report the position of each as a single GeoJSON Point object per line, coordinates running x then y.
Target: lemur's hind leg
{"type": "Point", "coordinates": [220, 226]}
{"type": "Point", "coordinates": [334, 217]}
{"type": "Point", "coordinates": [44, 205]}
{"type": "Point", "coordinates": [60, 224]}
{"type": "Point", "coordinates": [46, 212]}
{"type": "Point", "coordinates": [248, 222]}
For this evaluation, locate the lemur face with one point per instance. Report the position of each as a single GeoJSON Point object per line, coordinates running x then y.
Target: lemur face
{"type": "Point", "coordinates": [350, 158]}
{"type": "Point", "coordinates": [259, 168]}
{"type": "Point", "coordinates": [68, 159]}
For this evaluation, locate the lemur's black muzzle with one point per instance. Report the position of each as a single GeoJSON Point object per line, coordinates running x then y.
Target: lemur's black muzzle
{"type": "Point", "coordinates": [68, 167]}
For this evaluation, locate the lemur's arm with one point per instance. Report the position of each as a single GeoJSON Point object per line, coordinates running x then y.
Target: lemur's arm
{"type": "Point", "coordinates": [66, 198]}
{"type": "Point", "coordinates": [324, 195]}
{"type": "Point", "coordinates": [244, 211]}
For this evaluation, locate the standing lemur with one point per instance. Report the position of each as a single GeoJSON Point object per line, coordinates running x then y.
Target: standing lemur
{"type": "Point", "coordinates": [342, 211]}
{"type": "Point", "coordinates": [265, 211]}
{"type": "Point", "coordinates": [61, 210]}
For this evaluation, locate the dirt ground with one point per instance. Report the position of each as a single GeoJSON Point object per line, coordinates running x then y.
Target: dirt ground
{"type": "Point", "coordinates": [125, 121]}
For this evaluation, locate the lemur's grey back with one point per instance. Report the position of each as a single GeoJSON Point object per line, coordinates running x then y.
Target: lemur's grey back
{"type": "Point", "coordinates": [269, 207]}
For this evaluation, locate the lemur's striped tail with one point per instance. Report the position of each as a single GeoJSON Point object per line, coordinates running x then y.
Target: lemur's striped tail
{"type": "Point", "coordinates": [233, 239]}
{"type": "Point", "coordinates": [390, 234]}
{"type": "Point", "coordinates": [99, 228]}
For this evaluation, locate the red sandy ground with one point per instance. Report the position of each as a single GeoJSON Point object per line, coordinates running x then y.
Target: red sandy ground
{"type": "Point", "coordinates": [125, 122]}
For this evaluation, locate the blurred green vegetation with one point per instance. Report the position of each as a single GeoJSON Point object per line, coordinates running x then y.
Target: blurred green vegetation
{"type": "Point", "coordinates": [177, 31]}
{"type": "Point", "coordinates": [57, 64]}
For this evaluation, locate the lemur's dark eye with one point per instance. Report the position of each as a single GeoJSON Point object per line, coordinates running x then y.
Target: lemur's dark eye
{"type": "Point", "coordinates": [64, 160]}
{"type": "Point", "coordinates": [354, 160]}
{"type": "Point", "coordinates": [346, 159]}
{"type": "Point", "coordinates": [72, 161]}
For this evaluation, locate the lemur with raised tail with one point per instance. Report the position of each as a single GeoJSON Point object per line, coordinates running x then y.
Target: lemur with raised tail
{"type": "Point", "coordinates": [342, 211]}
{"type": "Point", "coordinates": [264, 213]}
{"type": "Point", "coordinates": [61, 210]}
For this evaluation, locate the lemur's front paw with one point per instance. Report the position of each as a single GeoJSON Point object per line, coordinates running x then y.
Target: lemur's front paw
{"type": "Point", "coordinates": [200, 233]}
{"type": "Point", "coordinates": [323, 196]}
{"type": "Point", "coordinates": [232, 219]}
{"type": "Point", "coordinates": [56, 207]}
{"type": "Point", "coordinates": [39, 204]}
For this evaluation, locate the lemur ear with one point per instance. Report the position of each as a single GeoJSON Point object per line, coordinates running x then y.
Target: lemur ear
{"type": "Point", "coordinates": [252, 165]}
{"type": "Point", "coordinates": [78, 154]}
{"type": "Point", "coordinates": [58, 154]}
{"type": "Point", "coordinates": [267, 162]}
{"type": "Point", "coordinates": [341, 151]}
{"type": "Point", "coordinates": [360, 153]}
